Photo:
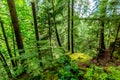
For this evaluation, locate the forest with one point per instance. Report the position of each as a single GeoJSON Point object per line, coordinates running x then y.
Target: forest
{"type": "Point", "coordinates": [59, 39]}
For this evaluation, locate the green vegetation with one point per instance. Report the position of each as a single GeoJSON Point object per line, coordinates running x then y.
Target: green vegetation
{"type": "Point", "coordinates": [59, 40]}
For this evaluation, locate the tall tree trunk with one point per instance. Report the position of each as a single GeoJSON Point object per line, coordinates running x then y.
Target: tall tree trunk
{"type": "Point", "coordinates": [7, 44]}
{"type": "Point", "coordinates": [49, 25]}
{"type": "Point", "coordinates": [68, 25]}
{"type": "Point", "coordinates": [55, 26]}
{"type": "Point", "coordinates": [36, 30]}
{"type": "Point", "coordinates": [15, 24]}
{"type": "Point", "coordinates": [72, 24]}
{"type": "Point", "coordinates": [103, 6]}
{"type": "Point", "coordinates": [5, 65]}
{"type": "Point", "coordinates": [115, 42]}
{"type": "Point", "coordinates": [101, 42]}
{"type": "Point", "coordinates": [14, 46]}
{"type": "Point", "coordinates": [35, 26]}
{"type": "Point", "coordinates": [50, 34]}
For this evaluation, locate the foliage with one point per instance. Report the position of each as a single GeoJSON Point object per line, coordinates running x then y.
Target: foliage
{"type": "Point", "coordinates": [80, 57]}
{"type": "Point", "coordinates": [96, 73]}
{"type": "Point", "coordinates": [62, 68]}
{"type": "Point", "coordinates": [57, 63]}
{"type": "Point", "coordinates": [113, 73]}
{"type": "Point", "coordinates": [100, 73]}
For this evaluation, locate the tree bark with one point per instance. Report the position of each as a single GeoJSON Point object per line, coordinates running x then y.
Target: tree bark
{"type": "Point", "coordinates": [15, 24]}
{"type": "Point", "coordinates": [36, 31]}
{"type": "Point", "coordinates": [14, 44]}
{"type": "Point", "coordinates": [35, 26]}
{"type": "Point", "coordinates": [56, 31]}
{"type": "Point", "coordinates": [68, 25]}
{"type": "Point", "coordinates": [72, 24]}
{"type": "Point", "coordinates": [5, 65]}
{"type": "Point", "coordinates": [101, 42]}
{"type": "Point", "coordinates": [49, 25]}
{"type": "Point", "coordinates": [115, 42]}
{"type": "Point", "coordinates": [103, 6]}
{"type": "Point", "coordinates": [50, 34]}
{"type": "Point", "coordinates": [7, 44]}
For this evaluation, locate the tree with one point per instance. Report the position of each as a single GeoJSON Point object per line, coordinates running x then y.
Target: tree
{"type": "Point", "coordinates": [114, 45]}
{"type": "Point", "coordinates": [72, 24]}
{"type": "Point", "coordinates": [36, 27]}
{"type": "Point", "coordinates": [68, 25]}
{"type": "Point", "coordinates": [50, 33]}
{"type": "Point", "coordinates": [7, 44]}
{"type": "Point", "coordinates": [102, 8]}
{"type": "Point", "coordinates": [15, 24]}
{"type": "Point", "coordinates": [5, 65]}
{"type": "Point", "coordinates": [55, 26]}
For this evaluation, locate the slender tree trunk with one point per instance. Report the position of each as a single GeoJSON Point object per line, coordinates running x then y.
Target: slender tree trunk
{"type": "Point", "coordinates": [102, 44]}
{"type": "Point", "coordinates": [5, 65]}
{"type": "Point", "coordinates": [35, 21]}
{"type": "Point", "coordinates": [14, 46]}
{"type": "Point", "coordinates": [7, 44]}
{"type": "Point", "coordinates": [108, 41]}
{"type": "Point", "coordinates": [103, 6]}
{"type": "Point", "coordinates": [49, 25]}
{"type": "Point", "coordinates": [15, 24]}
{"type": "Point", "coordinates": [50, 33]}
{"type": "Point", "coordinates": [36, 29]}
{"type": "Point", "coordinates": [49, 28]}
{"type": "Point", "coordinates": [72, 24]}
{"type": "Point", "coordinates": [115, 42]}
{"type": "Point", "coordinates": [56, 31]}
{"type": "Point", "coordinates": [68, 25]}
{"type": "Point", "coordinates": [35, 26]}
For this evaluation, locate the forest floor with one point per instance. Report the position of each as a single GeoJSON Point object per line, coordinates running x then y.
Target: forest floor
{"type": "Point", "coordinates": [91, 68]}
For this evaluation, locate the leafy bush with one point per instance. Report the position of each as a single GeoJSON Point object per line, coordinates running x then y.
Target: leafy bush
{"type": "Point", "coordinates": [95, 73]}
{"type": "Point", "coordinates": [114, 73]}
{"type": "Point", "coordinates": [70, 70]}
{"type": "Point", "coordinates": [98, 73]}
{"type": "Point", "coordinates": [62, 69]}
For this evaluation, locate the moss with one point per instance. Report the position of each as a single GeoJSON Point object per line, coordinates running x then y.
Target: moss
{"type": "Point", "coordinates": [80, 57]}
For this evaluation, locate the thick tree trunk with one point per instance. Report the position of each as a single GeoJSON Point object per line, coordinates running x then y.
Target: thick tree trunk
{"type": "Point", "coordinates": [72, 24]}
{"type": "Point", "coordinates": [15, 24]}
{"type": "Point", "coordinates": [7, 44]}
{"type": "Point", "coordinates": [5, 65]}
{"type": "Point", "coordinates": [68, 25]}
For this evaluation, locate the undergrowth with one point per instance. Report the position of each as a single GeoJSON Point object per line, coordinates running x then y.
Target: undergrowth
{"type": "Point", "coordinates": [65, 68]}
